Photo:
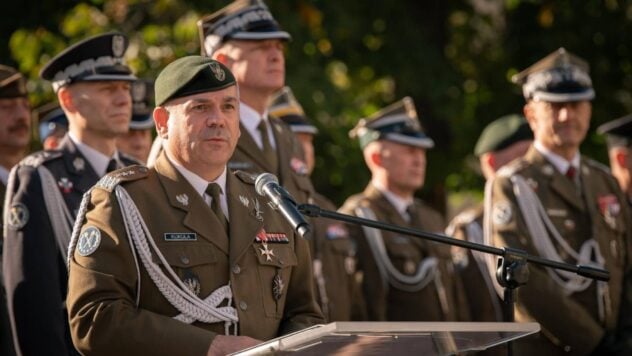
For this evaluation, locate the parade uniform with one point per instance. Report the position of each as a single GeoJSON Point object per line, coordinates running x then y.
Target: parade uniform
{"type": "Point", "coordinates": [591, 221]}
{"type": "Point", "coordinates": [257, 270]}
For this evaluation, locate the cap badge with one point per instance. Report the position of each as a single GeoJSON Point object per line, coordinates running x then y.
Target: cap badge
{"type": "Point", "coordinates": [217, 71]}
{"type": "Point", "coordinates": [118, 45]}
{"type": "Point", "coordinates": [138, 91]}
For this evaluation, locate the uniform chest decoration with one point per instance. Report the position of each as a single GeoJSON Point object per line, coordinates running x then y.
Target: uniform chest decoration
{"type": "Point", "coordinates": [183, 199]}
{"type": "Point", "coordinates": [79, 163]}
{"type": "Point", "coordinates": [298, 166]}
{"type": "Point", "coordinates": [271, 237]}
{"type": "Point", "coordinates": [89, 241]}
{"type": "Point", "coordinates": [610, 208]}
{"type": "Point", "coordinates": [65, 185]}
{"type": "Point", "coordinates": [337, 231]}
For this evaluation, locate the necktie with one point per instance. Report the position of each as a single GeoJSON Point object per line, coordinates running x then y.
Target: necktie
{"type": "Point", "coordinates": [571, 172]}
{"type": "Point", "coordinates": [214, 190]}
{"type": "Point", "coordinates": [268, 152]}
{"type": "Point", "coordinates": [412, 214]}
{"type": "Point", "coordinates": [112, 166]}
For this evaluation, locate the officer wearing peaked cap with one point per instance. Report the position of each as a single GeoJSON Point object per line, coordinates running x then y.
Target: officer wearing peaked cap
{"type": "Point", "coordinates": [333, 251]}
{"type": "Point", "coordinates": [15, 129]}
{"type": "Point", "coordinates": [404, 278]}
{"type": "Point", "coordinates": [138, 140]}
{"type": "Point", "coordinates": [503, 140]}
{"type": "Point", "coordinates": [184, 257]}
{"type": "Point", "coordinates": [558, 204]}
{"type": "Point", "coordinates": [91, 81]}
{"type": "Point", "coordinates": [246, 38]}
{"type": "Point", "coordinates": [619, 139]}
{"type": "Point", "coordinates": [52, 125]}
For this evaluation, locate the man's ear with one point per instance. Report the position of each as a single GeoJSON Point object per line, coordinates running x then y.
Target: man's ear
{"type": "Point", "coordinates": [223, 59]}
{"type": "Point", "coordinates": [621, 157]}
{"type": "Point", "coordinates": [490, 160]}
{"type": "Point", "coordinates": [66, 100]}
{"type": "Point", "coordinates": [161, 119]}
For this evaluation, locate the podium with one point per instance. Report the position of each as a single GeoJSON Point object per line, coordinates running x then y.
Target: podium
{"type": "Point", "coordinates": [394, 338]}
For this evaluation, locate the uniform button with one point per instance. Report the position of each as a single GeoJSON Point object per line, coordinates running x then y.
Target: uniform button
{"type": "Point", "coordinates": [243, 305]}
{"type": "Point", "coordinates": [236, 269]}
{"type": "Point", "coordinates": [185, 260]}
{"type": "Point", "coordinates": [567, 348]}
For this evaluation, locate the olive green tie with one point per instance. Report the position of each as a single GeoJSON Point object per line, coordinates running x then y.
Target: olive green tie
{"type": "Point", "coordinates": [214, 190]}
{"type": "Point", "coordinates": [268, 152]}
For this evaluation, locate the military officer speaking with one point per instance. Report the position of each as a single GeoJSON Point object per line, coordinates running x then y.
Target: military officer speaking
{"type": "Point", "coordinates": [404, 278]}
{"type": "Point", "coordinates": [44, 191]}
{"type": "Point", "coordinates": [562, 206]}
{"type": "Point", "coordinates": [181, 258]}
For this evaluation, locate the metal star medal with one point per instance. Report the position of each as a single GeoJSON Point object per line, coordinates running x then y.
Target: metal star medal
{"type": "Point", "coordinates": [266, 252]}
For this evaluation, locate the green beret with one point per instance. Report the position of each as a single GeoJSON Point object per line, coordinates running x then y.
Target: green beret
{"type": "Point", "coordinates": [191, 75]}
{"type": "Point", "coordinates": [502, 133]}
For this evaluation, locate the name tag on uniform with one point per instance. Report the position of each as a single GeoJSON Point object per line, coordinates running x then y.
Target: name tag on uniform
{"type": "Point", "coordinates": [180, 236]}
{"type": "Point", "coordinates": [239, 165]}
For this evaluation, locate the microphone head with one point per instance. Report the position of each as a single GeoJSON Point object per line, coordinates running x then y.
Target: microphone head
{"type": "Point", "coordinates": [262, 180]}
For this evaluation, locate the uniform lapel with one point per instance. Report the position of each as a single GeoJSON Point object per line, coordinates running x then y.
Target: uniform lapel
{"type": "Point", "coordinates": [242, 208]}
{"type": "Point", "coordinates": [248, 146]}
{"type": "Point", "coordinates": [558, 182]}
{"type": "Point", "coordinates": [387, 209]}
{"type": "Point", "coordinates": [283, 155]}
{"type": "Point", "coordinates": [181, 195]}
{"type": "Point", "coordinates": [82, 174]}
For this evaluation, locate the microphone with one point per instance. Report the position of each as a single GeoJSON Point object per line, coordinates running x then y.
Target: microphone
{"type": "Point", "coordinates": [267, 185]}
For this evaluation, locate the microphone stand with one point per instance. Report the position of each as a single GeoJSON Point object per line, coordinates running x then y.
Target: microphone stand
{"type": "Point", "coordinates": [512, 268]}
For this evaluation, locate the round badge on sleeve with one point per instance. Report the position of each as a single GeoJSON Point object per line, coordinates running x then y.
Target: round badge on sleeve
{"type": "Point", "coordinates": [501, 213]}
{"type": "Point", "coordinates": [18, 216]}
{"type": "Point", "coordinates": [89, 241]}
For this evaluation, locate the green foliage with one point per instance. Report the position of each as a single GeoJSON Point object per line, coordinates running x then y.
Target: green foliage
{"type": "Point", "coordinates": [347, 59]}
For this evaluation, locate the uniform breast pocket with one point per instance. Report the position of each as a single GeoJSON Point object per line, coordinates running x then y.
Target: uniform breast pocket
{"type": "Point", "coordinates": [344, 252]}
{"type": "Point", "coordinates": [404, 254]}
{"type": "Point", "coordinates": [195, 265]}
{"type": "Point", "coordinates": [275, 263]}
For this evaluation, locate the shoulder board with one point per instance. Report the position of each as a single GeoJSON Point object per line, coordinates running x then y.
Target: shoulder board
{"type": "Point", "coordinates": [245, 177]}
{"type": "Point", "coordinates": [511, 168]}
{"type": "Point", "coordinates": [111, 180]}
{"type": "Point", "coordinates": [598, 165]}
{"type": "Point", "coordinates": [36, 159]}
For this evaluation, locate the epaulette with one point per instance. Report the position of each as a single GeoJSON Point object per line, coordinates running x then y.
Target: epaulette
{"type": "Point", "coordinates": [511, 168]}
{"type": "Point", "coordinates": [111, 180]}
{"type": "Point", "coordinates": [36, 159]}
{"type": "Point", "coordinates": [245, 177]}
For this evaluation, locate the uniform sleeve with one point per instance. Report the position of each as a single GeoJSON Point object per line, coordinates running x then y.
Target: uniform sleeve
{"type": "Point", "coordinates": [104, 319]}
{"type": "Point", "coordinates": [541, 298]}
{"type": "Point", "coordinates": [301, 310]}
{"type": "Point", "coordinates": [34, 272]}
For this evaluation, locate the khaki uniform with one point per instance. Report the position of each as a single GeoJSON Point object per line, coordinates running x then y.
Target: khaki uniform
{"type": "Point", "coordinates": [270, 295]}
{"type": "Point", "coordinates": [478, 287]}
{"type": "Point", "coordinates": [570, 323]}
{"type": "Point", "coordinates": [385, 301]}
{"type": "Point", "coordinates": [293, 176]}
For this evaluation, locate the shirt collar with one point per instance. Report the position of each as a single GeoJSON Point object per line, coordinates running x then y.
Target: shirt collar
{"type": "Point", "coordinates": [97, 160]}
{"type": "Point", "coordinates": [4, 175]}
{"type": "Point", "coordinates": [199, 184]}
{"type": "Point", "coordinates": [560, 163]}
{"type": "Point", "coordinates": [398, 202]}
{"type": "Point", "coordinates": [250, 118]}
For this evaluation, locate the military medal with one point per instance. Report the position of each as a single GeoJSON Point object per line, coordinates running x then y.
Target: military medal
{"type": "Point", "coordinates": [266, 252]}
{"type": "Point", "coordinates": [610, 209]}
{"type": "Point", "coordinates": [277, 285]}
{"type": "Point", "coordinates": [192, 282]}
{"type": "Point", "coordinates": [65, 185]}
{"type": "Point", "coordinates": [298, 166]}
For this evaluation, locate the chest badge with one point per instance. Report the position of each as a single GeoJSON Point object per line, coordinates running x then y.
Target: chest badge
{"type": "Point", "coordinates": [79, 164]}
{"type": "Point", "coordinates": [65, 185]}
{"type": "Point", "coordinates": [277, 286]}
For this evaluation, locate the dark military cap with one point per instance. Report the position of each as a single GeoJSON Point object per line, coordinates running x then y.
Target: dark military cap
{"type": "Point", "coordinates": [285, 107]}
{"type": "Point", "coordinates": [558, 77]}
{"type": "Point", "coordinates": [397, 122]}
{"type": "Point", "coordinates": [241, 20]}
{"type": "Point", "coordinates": [502, 133]}
{"type": "Point", "coordinates": [12, 84]}
{"type": "Point", "coordinates": [142, 105]}
{"type": "Point", "coordinates": [51, 118]}
{"type": "Point", "coordinates": [191, 75]}
{"type": "Point", "coordinates": [97, 58]}
{"type": "Point", "coordinates": [618, 132]}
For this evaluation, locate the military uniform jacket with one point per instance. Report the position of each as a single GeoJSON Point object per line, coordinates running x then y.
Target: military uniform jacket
{"type": "Point", "coordinates": [103, 286]}
{"type": "Point", "coordinates": [34, 271]}
{"type": "Point", "coordinates": [339, 295]}
{"type": "Point", "coordinates": [599, 212]}
{"type": "Point", "coordinates": [385, 302]}
{"type": "Point", "coordinates": [6, 340]}
{"type": "Point", "coordinates": [478, 287]}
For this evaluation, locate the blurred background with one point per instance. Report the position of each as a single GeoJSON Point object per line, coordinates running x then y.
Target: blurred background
{"type": "Point", "coordinates": [349, 58]}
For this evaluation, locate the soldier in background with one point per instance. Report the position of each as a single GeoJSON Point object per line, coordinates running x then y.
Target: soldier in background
{"type": "Point", "coordinates": [245, 37]}
{"type": "Point", "coordinates": [559, 205]}
{"type": "Point", "coordinates": [619, 139]}
{"type": "Point", "coordinates": [15, 136]}
{"type": "Point", "coordinates": [501, 141]}
{"type": "Point", "coordinates": [333, 252]}
{"type": "Point", "coordinates": [52, 125]}
{"type": "Point", "coordinates": [404, 278]}
{"type": "Point", "coordinates": [92, 83]}
{"type": "Point", "coordinates": [138, 140]}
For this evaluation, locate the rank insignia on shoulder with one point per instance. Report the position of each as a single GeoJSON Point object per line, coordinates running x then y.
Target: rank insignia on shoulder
{"type": "Point", "coordinates": [271, 237]}
{"type": "Point", "coordinates": [89, 241]}
{"type": "Point", "coordinates": [501, 213]}
{"type": "Point", "coordinates": [18, 216]}
{"type": "Point", "coordinates": [298, 166]}
{"type": "Point", "coordinates": [180, 236]}
{"type": "Point", "coordinates": [337, 231]}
